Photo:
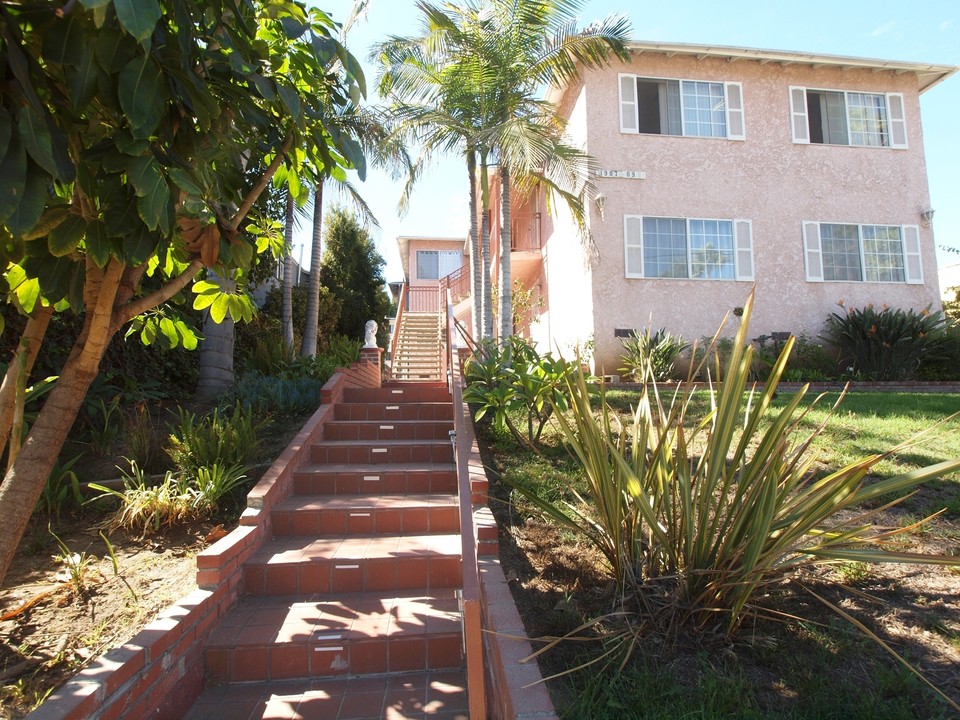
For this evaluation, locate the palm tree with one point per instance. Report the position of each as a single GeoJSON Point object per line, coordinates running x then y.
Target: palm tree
{"type": "Point", "coordinates": [532, 44]}
{"type": "Point", "coordinates": [380, 148]}
{"type": "Point", "coordinates": [287, 281]}
{"type": "Point", "coordinates": [482, 64]}
{"type": "Point", "coordinates": [441, 106]}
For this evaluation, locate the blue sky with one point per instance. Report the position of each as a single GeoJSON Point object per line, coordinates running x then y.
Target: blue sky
{"type": "Point", "coordinates": [923, 31]}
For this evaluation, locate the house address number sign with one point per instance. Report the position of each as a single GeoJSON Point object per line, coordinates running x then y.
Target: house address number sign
{"type": "Point", "coordinates": [632, 174]}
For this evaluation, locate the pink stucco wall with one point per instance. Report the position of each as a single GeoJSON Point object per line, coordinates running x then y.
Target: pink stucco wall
{"type": "Point", "coordinates": [765, 178]}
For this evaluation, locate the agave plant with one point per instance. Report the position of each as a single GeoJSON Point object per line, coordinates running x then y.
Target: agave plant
{"type": "Point", "coordinates": [715, 509]}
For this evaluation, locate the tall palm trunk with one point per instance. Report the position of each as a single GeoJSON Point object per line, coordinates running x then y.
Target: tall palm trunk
{"type": "Point", "coordinates": [506, 282]}
{"type": "Point", "coordinates": [287, 312]}
{"type": "Point", "coordinates": [487, 302]}
{"type": "Point", "coordinates": [216, 351]}
{"type": "Point", "coordinates": [216, 356]}
{"type": "Point", "coordinates": [476, 262]}
{"type": "Point", "coordinates": [308, 346]}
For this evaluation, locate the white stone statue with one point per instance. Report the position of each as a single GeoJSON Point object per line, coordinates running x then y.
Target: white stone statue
{"type": "Point", "coordinates": [370, 334]}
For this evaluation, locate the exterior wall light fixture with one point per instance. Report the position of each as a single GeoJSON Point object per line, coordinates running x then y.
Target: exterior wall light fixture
{"type": "Point", "coordinates": [926, 217]}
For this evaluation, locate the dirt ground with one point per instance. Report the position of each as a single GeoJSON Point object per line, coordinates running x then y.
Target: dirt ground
{"type": "Point", "coordinates": [559, 583]}
{"type": "Point", "coordinates": [56, 615]}
{"type": "Point", "coordinates": [59, 610]}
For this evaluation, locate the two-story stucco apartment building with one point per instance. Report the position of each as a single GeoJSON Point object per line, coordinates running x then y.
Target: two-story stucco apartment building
{"type": "Point", "coordinates": [720, 169]}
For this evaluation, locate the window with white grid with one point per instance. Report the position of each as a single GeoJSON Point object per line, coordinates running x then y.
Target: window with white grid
{"type": "Point", "coordinates": [704, 109]}
{"type": "Point", "coordinates": [868, 119]}
{"type": "Point", "coordinates": [846, 252]}
{"type": "Point", "coordinates": [844, 117]}
{"type": "Point", "coordinates": [883, 253]}
{"type": "Point", "coordinates": [841, 252]}
{"type": "Point", "coordinates": [702, 249]}
{"type": "Point", "coordinates": [665, 247]}
{"type": "Point", "coordinates": [696, 108]}
{"type": "Point", "coordinates": [711, 249]}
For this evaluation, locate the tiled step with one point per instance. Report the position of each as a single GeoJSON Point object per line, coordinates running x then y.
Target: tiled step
{"type": "Point", "coordinates": [412, 359]}
{"type": "Point", "coordinates": [389, 393]}
{"type": "Point", "coordinates": [388, 430]}
{"type": "Point", "coordinates": [440, 694]}
{"type": "Point", "coordinates": [267, 638]}
{"type": "Point", "coordinates": [387, 478]}
{"type": "Point", "coordinates": [382, 451]}
{"type": "Point", "coordinates": [306, 565]}
{"type": "Point", "coordinates": [315, 515]}
{"type": "Point", "coordinates": [423, 411]}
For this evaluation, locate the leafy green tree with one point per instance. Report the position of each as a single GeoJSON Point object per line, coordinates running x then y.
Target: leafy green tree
{"type": "Point", "coordinates": [125, 132]}
{"type": "Point", "coordinates": [353, 271]}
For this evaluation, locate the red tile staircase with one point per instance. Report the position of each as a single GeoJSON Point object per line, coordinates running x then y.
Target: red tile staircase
{"type": "Point", "coordinates": [350, 610]}
{"type": "Point", "coordinates": [339, 593]}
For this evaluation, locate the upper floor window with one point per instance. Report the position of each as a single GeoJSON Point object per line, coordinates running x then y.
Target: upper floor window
{"type": "Point", "coordinates": [436, 264]}
{"type": "Point", "coordinates": [696, 108]}
{"type": "Point", "coordinates": [666, 247]}
{"type": "Point", "coordinates": [836, 117]}
{"type": "Point", "coordinates": [836, 252]}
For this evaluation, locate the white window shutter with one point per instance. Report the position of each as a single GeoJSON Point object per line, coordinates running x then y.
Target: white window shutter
{"type": "Point", "coordinates": [812, 254]}
{"type": "Point", "coordinates": [735, 126]}
{"type": "Point", "coordinates": [898, 120]}
{"type": "Point", "coordinates": [633, 245]}
{"type": "Point", "coordinates": [743, 238]}
{"type": "Point", "coordinates": [911, 255]}
{"type": "Point", "coordinates": [798, 115]}
{"type": "Point", "coordinates": [628, 104]}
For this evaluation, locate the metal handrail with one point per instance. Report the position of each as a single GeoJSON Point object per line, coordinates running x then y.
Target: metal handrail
{"type": "Point", "coordinates": [396, 327]}
{"type": "Point", "coordinates": [458, 282]}
{"type": "Point", "coordinates": [470, 595]}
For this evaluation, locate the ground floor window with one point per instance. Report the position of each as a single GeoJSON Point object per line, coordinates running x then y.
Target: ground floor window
{"type": "Point", "coordinates": [677, 247]}
{"type": "Point", "coordinates": [848, 252]}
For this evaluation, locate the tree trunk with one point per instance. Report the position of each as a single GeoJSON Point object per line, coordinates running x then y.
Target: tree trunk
{"type": "Point", "coordinates": [24, 482]}
{"type": "Point", "coordinates": [287, 312]}
{"type": "Point", "coordinates": [485, 248]}
{"type": "Point", "coordinates": [216, 357]}
{"type": "Point", "coordinates": [308, 346]}
{"type": "Point", "coordinates": [30, 342]}
{"type": "Point", "coordinates": [476, 262]}
{"type": "Point", "coordinates": [506, 281]}
{"type": "Point", "coordinates": [216, 352]}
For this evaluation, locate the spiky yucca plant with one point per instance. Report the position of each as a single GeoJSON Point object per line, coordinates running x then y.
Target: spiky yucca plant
{"type": "Point", "coordinates": [715, 509]}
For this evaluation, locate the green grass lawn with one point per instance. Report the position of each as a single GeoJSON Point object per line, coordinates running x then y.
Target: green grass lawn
{"type": "Point", "coordinates": [792, 669]}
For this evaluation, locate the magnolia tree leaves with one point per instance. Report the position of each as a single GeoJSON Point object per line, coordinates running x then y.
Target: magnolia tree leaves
{"type": "Point", "coordinates": [221, 302]}
{"type": "Point", "coordinates": [166, 332]}
{"type": "Point", "coordinates": [155, 166]}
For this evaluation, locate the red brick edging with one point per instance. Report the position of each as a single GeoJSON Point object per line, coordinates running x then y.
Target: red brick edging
{"type": "Point", "coordinates": [515, 688]}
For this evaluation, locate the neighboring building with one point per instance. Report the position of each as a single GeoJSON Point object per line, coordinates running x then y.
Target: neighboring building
{"type": "Point", "coordinates": [426, 261]}
{"type": "Point", "coordinates": [721, 169]}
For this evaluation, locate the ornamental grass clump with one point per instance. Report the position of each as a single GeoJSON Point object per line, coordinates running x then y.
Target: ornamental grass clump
{"type": "Point", "coordinates": [646, 355]}
{"type": "Point", "coordinates": [698, 516]}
